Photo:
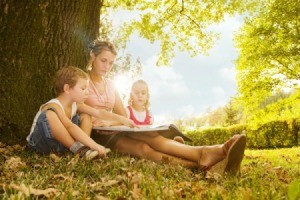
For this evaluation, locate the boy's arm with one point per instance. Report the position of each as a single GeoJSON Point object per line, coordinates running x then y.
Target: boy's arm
{"type": "Point", "coordinates": [105, 115]}
{"type": "Point", "coordinates": [75, 131]}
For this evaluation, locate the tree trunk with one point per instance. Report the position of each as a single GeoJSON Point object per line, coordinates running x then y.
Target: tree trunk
{"type": "Point", "coordinates": [38, 38]}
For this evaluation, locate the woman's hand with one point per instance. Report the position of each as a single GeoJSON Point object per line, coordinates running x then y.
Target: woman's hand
{"type": "Point", "coordinates": [104, 123]}
{"type": "Point", "coordinates": [128, 122]}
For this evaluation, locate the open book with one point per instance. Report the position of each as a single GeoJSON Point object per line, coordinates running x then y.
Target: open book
{"type": "Point", "coordinates": [168, 130]}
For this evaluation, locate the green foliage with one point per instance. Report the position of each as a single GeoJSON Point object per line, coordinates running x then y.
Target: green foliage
{"type": "Point", "coordinates": [273, 134]}
{"type": "Point", "coordinates": [294, 190]}
{"type": "Point", "coordinates": [182, 25]}
{"type": "Point", "coordinates": [211, 136]}
{"type": "Point", "coordinates": [268, 63]}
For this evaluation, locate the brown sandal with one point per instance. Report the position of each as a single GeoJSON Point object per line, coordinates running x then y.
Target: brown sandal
{"type": "Point", "coordinates": [234, 149]}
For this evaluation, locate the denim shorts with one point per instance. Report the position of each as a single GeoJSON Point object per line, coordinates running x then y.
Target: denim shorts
{"type": "Point", "coordinates": [41, 139]}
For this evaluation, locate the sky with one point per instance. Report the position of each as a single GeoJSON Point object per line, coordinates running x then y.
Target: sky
{"type": "Point", "coordinates": [190, 85]}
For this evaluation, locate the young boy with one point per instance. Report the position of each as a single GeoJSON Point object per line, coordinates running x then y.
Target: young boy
{"type": "Point", "coordinates": [56, 125]}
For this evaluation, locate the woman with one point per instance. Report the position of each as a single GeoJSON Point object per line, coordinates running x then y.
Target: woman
{"type": "Point", "coordinates": [152, 146]}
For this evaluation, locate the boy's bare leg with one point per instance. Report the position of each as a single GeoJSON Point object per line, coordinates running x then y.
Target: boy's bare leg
{"type": "Point", "coordinates": [58, 131]}
{"type": "Point", "coordinates": [86, 123]}
{"type": "Point", "coordinates": [126, 145]}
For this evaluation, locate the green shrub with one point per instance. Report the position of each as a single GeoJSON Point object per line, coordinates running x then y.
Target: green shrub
{"type": "Point", "coordinates": [270, 135]}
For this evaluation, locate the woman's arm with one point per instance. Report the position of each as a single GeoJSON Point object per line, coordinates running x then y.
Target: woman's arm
{"type": "Point", "coordinates": [105, 115]}
{"type": "Point", "coordinates": [119, 107]}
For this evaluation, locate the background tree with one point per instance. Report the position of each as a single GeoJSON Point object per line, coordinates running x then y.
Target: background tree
{"type": "Point", "coordinates": [182, 25]}
{"type": "Point", "coordinates": [269, 62]}
{"type": "Point", "coordinates": [232, 113]}
{"type": "Point", "coordinates": [39, 37]}
{"type": "Point", "coordinates": [36, 39]}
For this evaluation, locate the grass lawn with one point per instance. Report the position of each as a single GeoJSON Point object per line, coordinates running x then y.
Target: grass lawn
{"type": "Point", "coordinates": [265, 174]}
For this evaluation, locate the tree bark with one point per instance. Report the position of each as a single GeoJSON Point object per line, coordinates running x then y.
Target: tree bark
{"type": "Point", "coordinates": [37, 38]}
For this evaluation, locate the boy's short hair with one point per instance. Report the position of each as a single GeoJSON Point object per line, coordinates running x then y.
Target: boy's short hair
{"type": "Point", "coordinates": [68, 75]}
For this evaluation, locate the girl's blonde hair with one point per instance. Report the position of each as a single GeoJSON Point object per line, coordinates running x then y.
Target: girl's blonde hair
{"type": "Point", "coordinates": [68, 75]}
{"type": "Point", "coordinates": [140, 81]}
{"type": "Point", "coordinates": [97, 47]}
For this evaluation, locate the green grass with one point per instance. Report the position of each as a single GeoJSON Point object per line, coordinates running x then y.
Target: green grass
{"type": "Point", "coordinates": [265, 174]}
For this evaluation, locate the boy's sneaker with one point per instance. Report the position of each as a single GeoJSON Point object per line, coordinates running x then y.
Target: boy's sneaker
{"type": "Point", "coordinates": [87, 153]}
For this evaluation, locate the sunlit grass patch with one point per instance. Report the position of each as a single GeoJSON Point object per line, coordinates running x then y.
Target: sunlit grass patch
{"type": "Point", "coordinates": [265, 174]}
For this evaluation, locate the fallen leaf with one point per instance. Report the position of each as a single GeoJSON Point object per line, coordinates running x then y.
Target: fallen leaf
{"type": "Point", "coordinates": [62, 177]}
{"type": "Point", "coordinates": [276, 168]}
{"type": "Point", "coordinates": [28, 190]}
{"type": "Point", "coordinates": [14, 164]}
{"type": "Point", "coordinates": [136, 179]}
{"type": "Point", "coordinates": [55, 158]}
{"type": "Point", "coordinates": [75, 193]}
{"type": "Point", "coordinates": [10, 148]}
{"type": "Point", "coordinates": [215, 176]}
{"type": "Point", "coordinates": [99, 197]}
{"type": "Point", "coordinates": [2, 144]}
{"type": "Point", "coordinates": [136, 192]}
{"type": "Point", "coordinates": [4, 151]}
{"type": "Point", "coordinates": [18, 147]}
{"type": "Point", "coordinates": [73, 161]}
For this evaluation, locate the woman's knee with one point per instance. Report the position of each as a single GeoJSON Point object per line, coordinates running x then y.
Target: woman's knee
{"type": "Point", "coordinates": [85, 118]}
{"type": "Point", "coordinates": [144, 149]}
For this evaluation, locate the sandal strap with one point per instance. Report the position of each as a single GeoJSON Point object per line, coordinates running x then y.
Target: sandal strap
{"type": "Point", "coordinates": [229, 143]}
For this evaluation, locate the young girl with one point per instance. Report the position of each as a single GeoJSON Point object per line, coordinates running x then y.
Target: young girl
{"type": "Point", "coordinates": [151, 146]}
{"type": "Point", "coordinates": [138, 106]}
{"type": "Point", "coordinates": [55, 126]}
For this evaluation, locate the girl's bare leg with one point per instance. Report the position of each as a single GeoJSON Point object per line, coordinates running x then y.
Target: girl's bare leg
{"type": "Point", "coordinates": [204, 155]}
{"type": "Point", "coordinates": [86, 123]}
{"type": "Point", "coordinates": [58, 130]}
{"type": "Point", "coordinates": [126, 145]}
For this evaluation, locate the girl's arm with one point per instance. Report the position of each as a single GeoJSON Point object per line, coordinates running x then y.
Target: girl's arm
{"type": "Point", "coordinates": [76, 133]}
{"type": "Point", "coordinates": [105, 115]}
{"type": "Point", "coordinates": [119, 107]}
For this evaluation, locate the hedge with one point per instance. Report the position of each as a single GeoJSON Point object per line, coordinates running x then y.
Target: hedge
{"type": "Point", "coordinates": [275, 134]}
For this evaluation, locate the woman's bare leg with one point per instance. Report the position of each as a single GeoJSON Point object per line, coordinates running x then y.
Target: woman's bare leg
{"type": "Point", "coordinates": [204, 155]}
{"type": "Point", "coordinates": [58, 130]}
{"type": "Point", "coordinates": [126, 145]}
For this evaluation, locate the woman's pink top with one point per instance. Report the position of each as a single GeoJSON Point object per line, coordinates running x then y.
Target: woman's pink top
{"type": "Point", "coordinates": [101, 101]}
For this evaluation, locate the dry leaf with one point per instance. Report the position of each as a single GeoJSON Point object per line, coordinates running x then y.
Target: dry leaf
{"type": "Point", "coordinates": [99, 197]}
{"type": "Point", "coordinates": [136, 192]}
{"type": "Point", "coordinates": [4, 151]}
{"type": "Point", "coordinates": [277, 168]}
{"type": "Point", "coordinates": [62, 177]}
{"type": "Point", "coordinates": [136, 179]}
{"type": "Point", "coordinates": [18, 147]}
{"type": "Point", "coordinates": [9, 148]}
{"type": "Point", "coordinates": [28, 190]}
{"type": "Point", "coordinates": [73, 161]}
{"type": "Point", "coordinates": [215, 176]}
{"type": "Point", "coordinates": [14, 164]}
{"type": "Point", "coordinates": [75, 193]}
{"type": "Point", "coordinates": [2, 144]}
{"type": "Point", "coordinates": [55, 158]}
